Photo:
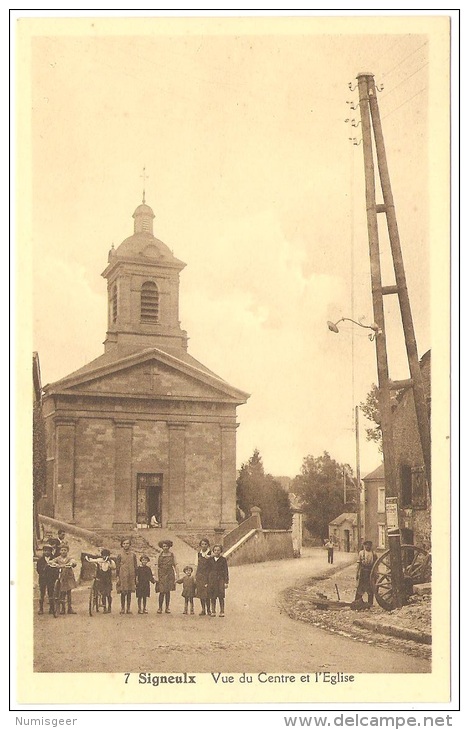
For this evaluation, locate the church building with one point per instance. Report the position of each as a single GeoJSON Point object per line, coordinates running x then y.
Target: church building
{"type": "Point", "coordinates": [145, 429]}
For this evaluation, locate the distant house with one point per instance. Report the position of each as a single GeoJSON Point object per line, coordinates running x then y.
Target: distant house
{"type": "Point", "coordinates": [343, 532]}
{"type": "Point", "coordinates": [375, 508]}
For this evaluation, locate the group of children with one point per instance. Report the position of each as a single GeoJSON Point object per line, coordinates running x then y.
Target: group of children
{"type": "Point", "coordinates": [135, 576]}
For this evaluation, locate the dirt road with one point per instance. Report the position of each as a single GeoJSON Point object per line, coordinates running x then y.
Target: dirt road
{"type": "Point", "coordinates": [253, 637]}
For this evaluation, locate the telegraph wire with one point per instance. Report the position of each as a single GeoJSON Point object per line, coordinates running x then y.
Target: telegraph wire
{"type": "Point", "coordinates": [405, 59]}
{"type": "Point", "coordinates": [406, 79]}
{"type": "Point", "coordinates": [404, 102]}
{"type": "Point", "coordinates": [393, 46]}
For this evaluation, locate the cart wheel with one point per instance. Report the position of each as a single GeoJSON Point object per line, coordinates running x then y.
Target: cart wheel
{"type": "Point", "coordinates": [416, 569]}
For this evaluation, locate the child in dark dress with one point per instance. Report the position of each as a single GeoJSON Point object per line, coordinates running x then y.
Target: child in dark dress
{"type": "Point", "coordinates": [217, 579]}
{"type": "Point", "coordinates": [201, 577]}
{"type": "Point", "coordinates": [188, 589]}
{"type": "Point", "coordinates": [104, 567]}
{"type": "Point", "coordinates": [144, 578]}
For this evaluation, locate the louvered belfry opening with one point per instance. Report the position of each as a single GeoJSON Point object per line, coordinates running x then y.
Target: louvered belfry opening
{"type": "Point", "coordinates": [149, 302]}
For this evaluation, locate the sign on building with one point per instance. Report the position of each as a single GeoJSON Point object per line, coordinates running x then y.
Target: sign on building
{"type": "Point", "coordinates": [392, 514]}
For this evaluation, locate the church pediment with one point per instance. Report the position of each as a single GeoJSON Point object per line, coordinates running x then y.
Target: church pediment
{"type": "Point", "coordinates": [152, 373]}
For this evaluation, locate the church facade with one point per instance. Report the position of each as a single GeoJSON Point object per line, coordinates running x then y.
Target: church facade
{"type": "Point", "coordinates": [145, 429]}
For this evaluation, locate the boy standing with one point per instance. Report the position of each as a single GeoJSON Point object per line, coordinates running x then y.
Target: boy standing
{"type": "Point", "coordinates": [44, 573]}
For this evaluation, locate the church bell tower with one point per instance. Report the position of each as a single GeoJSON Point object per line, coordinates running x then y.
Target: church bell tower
{"type": "Point", "coordinates": [143, 291]}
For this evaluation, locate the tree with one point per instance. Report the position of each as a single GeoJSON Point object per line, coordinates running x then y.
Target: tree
{"type": "Point", "coordinates": [370, 409]}
{"type": "Point", "coordinates": [320, 488]}
{"type": "Point", "coordinates": [255, 488]}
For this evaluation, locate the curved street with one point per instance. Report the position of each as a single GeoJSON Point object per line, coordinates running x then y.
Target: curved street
{"type": "Point", "coordinates": [254, 636]}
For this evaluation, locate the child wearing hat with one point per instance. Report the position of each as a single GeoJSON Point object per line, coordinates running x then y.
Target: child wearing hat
{"type": "Point", "coordinates": [366, 559]}
{"type": "Point", "coordinates": [167, 574]}
{"type": "Point", "coordinates": [104, 567]}
{"type": "Point", "coordinates": [188, 589]}
{"type": "Point", "coordinates": [126, 569]}
{"type": "Point", "coordinates": [144, 578]}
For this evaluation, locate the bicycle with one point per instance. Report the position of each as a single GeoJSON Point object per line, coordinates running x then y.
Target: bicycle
{"type": "Point", "coordinates": [96, 599]}
{"type": "Point", "coordinates": [101, 586]}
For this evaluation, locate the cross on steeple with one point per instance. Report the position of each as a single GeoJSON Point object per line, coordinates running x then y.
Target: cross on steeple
{"type": "Point", "coordinates": [144, 176]}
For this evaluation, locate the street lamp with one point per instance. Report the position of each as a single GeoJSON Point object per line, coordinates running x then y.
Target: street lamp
{"type": "Point", "coordinates": [375, 331]}
{"type": "Point", "coordinates": [373, 326]}
{"type": "Point", "coordinates": [388, 450]}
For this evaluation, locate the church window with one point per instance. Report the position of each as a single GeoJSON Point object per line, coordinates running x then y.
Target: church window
{"type": "Point", "coordinates": [114, 303]}
{"type": "Point", "coordinates": [149, 302]}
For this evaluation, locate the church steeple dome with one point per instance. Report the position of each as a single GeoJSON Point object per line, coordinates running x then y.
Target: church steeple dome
{"type": "Point", "coordinates": [143, 218]}
{"type": "Point", "coordinates": [143, 290]}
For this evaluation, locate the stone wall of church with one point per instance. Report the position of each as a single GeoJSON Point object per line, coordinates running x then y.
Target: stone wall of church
{"type": "Point", "coordinates": [94, 472]}
{"type": "Point", "coordinates": [150, 447]}
{"type": "Point", "coordinates": [203, 475]}
{"type": "Point", "coordinates": [95, 462]}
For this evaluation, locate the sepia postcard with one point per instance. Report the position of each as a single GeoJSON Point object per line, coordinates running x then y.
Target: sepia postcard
{"type": "Point", "coordinates": [233, 286]}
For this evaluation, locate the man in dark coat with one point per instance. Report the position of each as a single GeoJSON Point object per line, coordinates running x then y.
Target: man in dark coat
{"type": "Point", "coordinates": [218, 579]}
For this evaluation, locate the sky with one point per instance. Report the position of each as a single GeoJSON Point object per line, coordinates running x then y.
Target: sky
{"type": "Point", "coordinates": [255, 185]}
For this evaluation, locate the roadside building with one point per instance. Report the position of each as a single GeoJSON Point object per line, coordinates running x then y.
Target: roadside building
{"type": "Point", "coordinates": [343, 532]}
{"type": "Point", "coordinates": [412, 489]}
{"type": "Point", "coordinates": [414, 495]}
{"type": "Point", "coordinates": [375, 507]}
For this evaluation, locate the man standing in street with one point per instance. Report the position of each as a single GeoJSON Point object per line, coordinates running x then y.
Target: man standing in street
{"type": "Point", "coordinates": [330, 550]}
{"type": "Point", "coordinates": [366, 559]}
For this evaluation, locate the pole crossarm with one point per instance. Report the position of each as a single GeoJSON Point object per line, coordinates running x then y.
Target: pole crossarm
{"type": "Point", "coordinates": [371, 124]}
{"type": "Point", "coordinates": [401, 384]}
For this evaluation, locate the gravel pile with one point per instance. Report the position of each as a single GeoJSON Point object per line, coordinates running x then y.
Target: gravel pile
{"type": "Point", "coordinates": [299, 603]}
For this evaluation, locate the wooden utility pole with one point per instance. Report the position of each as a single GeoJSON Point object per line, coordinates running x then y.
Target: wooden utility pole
{"type": "Point", "coordinates": [366, 90]}
{"type": "Point", "coordinates": [359, 484]}
{"type": "Point", "coordinates": [416, 381]}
